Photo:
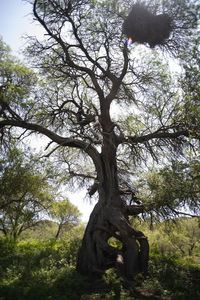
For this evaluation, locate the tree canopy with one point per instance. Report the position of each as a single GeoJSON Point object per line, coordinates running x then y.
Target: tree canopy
{"type": "Point", "coordinates": [65, 214]}
{"type": "Point", "coordinates": [25, 192]}
{"type": "Point", "coordinates": [172, 190]}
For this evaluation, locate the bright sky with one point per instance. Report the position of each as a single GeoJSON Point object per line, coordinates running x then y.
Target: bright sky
{"type": "Point", "coordinates": [16, 21]}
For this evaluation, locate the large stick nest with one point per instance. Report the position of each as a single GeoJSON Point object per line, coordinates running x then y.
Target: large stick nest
{"type": "Point", "coordinates": [142, 26]}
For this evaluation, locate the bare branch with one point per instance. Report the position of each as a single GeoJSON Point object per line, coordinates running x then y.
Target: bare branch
{"type": "Point", "coordinates": [62, 141]}
{"type": "Point", "coordinates": [158, 135]}
{"type": "Point", "coordinates": [65, 48]}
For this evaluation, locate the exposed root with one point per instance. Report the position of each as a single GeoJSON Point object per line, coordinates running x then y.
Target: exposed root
{"type": "Point", "coordinates": [96, 255]}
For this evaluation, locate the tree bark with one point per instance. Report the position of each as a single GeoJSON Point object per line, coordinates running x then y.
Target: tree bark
{"type": "Point", "coordinates": [109, 218]}
{"type": "Point", "coordinates": [58, 231]}
{"type": "Point", "coordinates": [96, 255]}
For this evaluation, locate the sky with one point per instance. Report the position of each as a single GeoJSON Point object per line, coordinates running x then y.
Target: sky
{"type": "Point", "coordinates": [16, 21]}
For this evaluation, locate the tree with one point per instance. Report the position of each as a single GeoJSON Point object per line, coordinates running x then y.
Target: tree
{"type": "Point", "coordinates": [185, 235]}
{"type": "Point", "coordinates": [24, 193]}
{"type": "Point", "coordinates": [65, 214]}
{"type": "Point", "coordinates": [16, 84]}
{"type": "Point", "coordinates": [112, 105]}
{"type": "Point", "coordinates": [177, 236]}
{"type": "Point", "coordinates": [169, 191]}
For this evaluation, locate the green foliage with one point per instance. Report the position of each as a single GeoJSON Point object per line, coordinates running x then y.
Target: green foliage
{"type": "Point", "coordinates": [38, 269]}
{"type": "Point", "coordinates": [174, 238]}
{"type": "Point", "coordinates": [43, 230]}
{"type": "Point", "coordinates": [116, 286]}
{"type": "Point", "coordinates": [25, 191]}
{"type": "Point", "coordinates": [173, 279]}
{"type": "Point", "coordinates": [115, 243]}
{"type": "Point", "coordinates": [169, 190]}
{"type": "Point", "coordinates": [64, 213]}
{"type": "Point", "coordinates": [16, 82]}
{"type": "Point", "coordinates": [46, 230]}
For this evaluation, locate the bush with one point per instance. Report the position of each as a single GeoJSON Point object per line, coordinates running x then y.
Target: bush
{"type": "Point", "coordinates": [171, 276]}
{"type": "Point", "coordinates": [45, 270]}
{"type": "Point", "coordinates": [37, 269]}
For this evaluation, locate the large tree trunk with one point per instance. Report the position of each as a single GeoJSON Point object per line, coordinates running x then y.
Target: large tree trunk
{"type": "Point", "coordinates": [96, 255]}
{"type": "Point", "coordinates": [110, 219]}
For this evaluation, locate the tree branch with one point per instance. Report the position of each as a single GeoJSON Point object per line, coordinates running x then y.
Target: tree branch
{"type": "Point", "coordinates": [134, 210]}
{"type": "Point", "coordinates": [62, 141]}
{"type": "Point", "coordinates": [64, 46]}
{"type": "Point", "coordinates": [183, 213]}
{"type": "Point", "coordinates": [158, 135]}
{"type": "Point", "coordinates": [118, 81]}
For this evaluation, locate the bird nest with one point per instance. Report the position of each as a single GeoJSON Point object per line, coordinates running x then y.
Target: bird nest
{"type": "Point", "coordinates": [142, 26]}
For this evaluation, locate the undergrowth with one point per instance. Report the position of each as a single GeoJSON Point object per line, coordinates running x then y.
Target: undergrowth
{"type": "Point", "coordinates": [45, 270]}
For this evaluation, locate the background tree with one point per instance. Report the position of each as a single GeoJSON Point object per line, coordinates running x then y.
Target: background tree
{"type": "Point", "coordinates": [177, 237]}
{"type": "Point", "coordinates": [65, 214]}
{"type": "Point", "coordinates": [172, 190]}
{"type": "Point", "coordinates": [113, 106]}
{"type": "Point", "coordinates": [24, 194]}
{"type": "Point", "coordinates": [16, 84]}
{"type": "Point", "coordinates": [185, 235]}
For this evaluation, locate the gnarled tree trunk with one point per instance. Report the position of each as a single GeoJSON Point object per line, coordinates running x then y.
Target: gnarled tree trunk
{"type": "Point", "coordinates": [109, 218]}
